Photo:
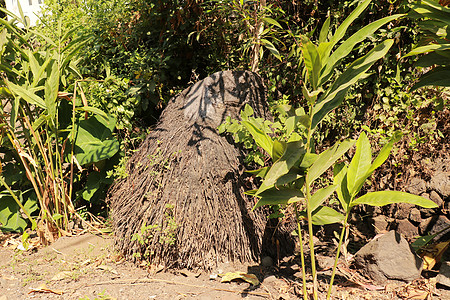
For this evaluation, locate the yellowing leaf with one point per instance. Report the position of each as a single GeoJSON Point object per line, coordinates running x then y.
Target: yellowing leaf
{"type": "Point", "coordinates": [433, 254]}
{"type": "Point", "coordinates": [250, 278]}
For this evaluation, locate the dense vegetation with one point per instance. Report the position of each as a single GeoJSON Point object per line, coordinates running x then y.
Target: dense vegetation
{"type": "Point", "coordinates": [80, 90]}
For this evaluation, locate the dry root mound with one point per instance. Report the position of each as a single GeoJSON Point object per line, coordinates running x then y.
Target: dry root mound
{"type": "Point", "coordinates": [182, 204]}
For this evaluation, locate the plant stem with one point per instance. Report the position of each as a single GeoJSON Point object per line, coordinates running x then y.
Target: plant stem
{"type": "Point", "coordinates": [336, 259]}
{"type": "Point", "coordinates": [302, 255]}
{"type": "Point", "coordinates": [311, 241]}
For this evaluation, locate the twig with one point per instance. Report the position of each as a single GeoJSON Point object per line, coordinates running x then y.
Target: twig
{"type": "Point", "coordinates": [147, 280]}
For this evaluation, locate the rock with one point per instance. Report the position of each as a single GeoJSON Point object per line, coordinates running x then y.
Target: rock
{"type": "Point", "coordinates": [380, 223]}
{"type": "Point", "coordinates": [440, 182]}
{"type": "Point", "coordinates": [407, 229]}
{"type": "Point", "coordinates": [443, 277]}
{"type": "Point", "coordinates": [436, 199]}
{"type": "Point", "coordinates": [267, 261]}
{"type": "Point", "coordinates": [417, 186]}
{"type": "Point", "coordinates": [388, 257]}
{"type": "Point", "coordinates": [414, 215]}
{"type": "Point", "coordinates": [424, 225]}
{"type": "Point", "coordinates": [441, 226]}
{"type": "Point", "coordinates": [403, 210]}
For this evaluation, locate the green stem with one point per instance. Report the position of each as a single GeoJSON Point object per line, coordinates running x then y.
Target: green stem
{"type": "Point", "coordinates": [302, 255]}
{"type": "Point", "coordinates": [341, 238]}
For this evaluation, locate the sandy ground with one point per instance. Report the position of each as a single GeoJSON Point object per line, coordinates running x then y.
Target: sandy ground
{"type": "Point", "coordinates": [86, 267]}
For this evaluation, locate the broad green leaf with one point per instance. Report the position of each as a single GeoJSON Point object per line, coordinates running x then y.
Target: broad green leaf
{"type": "Point", "coordinates": [25, 94]}
{"type": "Point", "coordinates": [51, 91]}
{"type": "Point", "coordinates": [388, 197]}
{"type": "Point", "coordinates": [290, 177]}
{"type": "Point", "coordinates": [259, 173]}
{"type": "Point", "coordinates": [94, 110]}
{"type": "Point", "coordinates": [260, 137]}
{"type": "Point", "coordinates": [428, 48]}
{"type": "Point", "coordinates": [272, 22]}
{"type": "Point", "coordinates": [437, 77]}
{"type": "Point", "coordinates": [38, 76]}
{"type": "Point", "coordinates": [340, 178]}
{"type": "Point", "coordinates": [94, 141]}
{"type": "Point", "coordinates": [246, 112]}
{"type": "Point", "coordinates": [430, 59]}
{"type": "Point", "coordinates": [324, 215]}
{"type": "Point", "coordinates": [422, 241]}
{"type": "Point", "coordinates": [308, 159]}
{"type": "Point", "coordinates": [347, 46]}
{"type": "Point", "coordinates": [269, 46]}
{"type": "Point", "coordinates": [360, 164]}
{"type": "Point", "coordinates": [282, 196]}
{"type": "Point", "coordinates": [278, 149]}
{"type": "Point", "coordinates": [321, 195]}
{"type": "Point", "coordinates": [384, 152]}
{"type": "Point", "coordinates": [342, 29]}
{"type": "Point", "coordinates": [312, 60]}
{"type": "Point", "coordinates": [326, 159]}
{"type": "Point", "coordinates": [324, 31]}
{"type": "Point", "coordinates": [289, 159]}
{"type": "Point", "coordinates": [357, 70]}
{"type": "Point", "coordinates": [10, 215]}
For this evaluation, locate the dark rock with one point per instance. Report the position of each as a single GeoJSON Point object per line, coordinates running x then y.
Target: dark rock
{"type": "Point", "coordinates": [380, 223]}
{"type": "Point", "coordinates": [414, 215]}
{"type": "Point", "coordinates": [444, 274]}
{"type": "Point", "coordinates": [267, 261]}
{"type": "Point", "coordinates": [403, 210]}
{"type": "Point", "coordinates": [407, 229]}
{"type": "Point", "coordinates": [436, 199]}
{"type": "Point", "coordinates": [441, 226]}
{"type": "Point", "coordinates": [424, 224]}
{"type": "Point", "coordinates": [388, 257]}
{"type": "Point", "coordinates": [427, 212]}
{"type": "Point", "coordinates": [440, 182]}
{"type": "Point", "coordinates": [417, 186]}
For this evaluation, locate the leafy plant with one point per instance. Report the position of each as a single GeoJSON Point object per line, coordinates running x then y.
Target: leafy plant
{"type": "Point", "coordinates": [434, 42]}
{"type": "Point", "coordinates": [39, 126]}
{"type": "Point", "coordinates": [296, 165]}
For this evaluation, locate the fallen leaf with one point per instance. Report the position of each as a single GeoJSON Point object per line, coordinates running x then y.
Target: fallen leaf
{"type": "Point", "coordinates": [107, 268]}
{"type": "Point", "coordinates": [250, 278]}
{"type": "Point", "coordinates": [61, 275]}
{"type": "Point", "coordinates": [432, 255]}
{"type": "Point", "coordinates": [44, 289]}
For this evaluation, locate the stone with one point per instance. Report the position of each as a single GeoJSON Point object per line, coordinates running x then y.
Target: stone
{"type": "Point", "coordinates": [380, 223]}
{"type": "Point", "coordinates": [440, 182]}
{"type": "Point", "coordinates": [443, 277]}
{"type": "Point", "coordinates": [403, 210]}
{"type": "Point", "coordinates": [407, 229]}
{"type": "Point", "coordinates": [417, 186]}
{"type": "Point", "coordinates": [389, 257]}
{"type": "Point", "coordinates": [424, 224]}
{"type": "Point", "coordinates": [441, 226]}
{"type": "Point", "coordinates": [267, 261]}
{"type": "Point", "coordinates": [436, 199]}
{"type": "Point", "coordinates": [414, 215]}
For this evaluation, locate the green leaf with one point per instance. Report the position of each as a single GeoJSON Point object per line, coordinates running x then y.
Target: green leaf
{"type": "Point", "coordinates": [326, 159]}
{"type": "Point", "coordinates": [422, 241]}
{"type": "Point", "coordinates": [312, 61]}
{"type": "Point", "coordinates": [321, 195]}
{"type": "Point", "coordinates": [271, 21]}
{"type": "Point", "coordinates": [261, 138]}
{"type": "Point", "coordinates": [282, 196]}
{"type": "Point", "coordinates": [94, 141]}
{"type": "Point", "coordinates": [269, 46]}
{"type": "Point", "coordinates": [360, 164]}
{"type": "Point", "coordinates": [347, 46]}
{"type": "Point", "coordinates": [342, 29]}
{"type": "Point", "coordinates": [324, 31]}
{"type": "Point", "coordinates": [356, 71]}
{"type": "Point", "coordinates": [289, 159]}
{"type": "Point", "coordinates": [10, 215]}
{"type": "Point", "coordinates": [428, 48]}
{"type": "Point", "coordinates": [93, 110]}
{"type": "Point", "coordinates": [340, 178]}
{"type": "Point", "coordinates": [259, 173]}
{"type": "Point", "coordinates": [324, 215]}
{"type": "Point", "coordinates": [437, 77]}
{"type": "Point", "coordinates": [51, 91]}
{"type": "Point", "coordinates": [25, 94]}
{"type": "Point", "coordinates": [308, 159]}
{"type": "Point", "coordinates": [278, 149]}
{"type": "Point", "coordinates": [388, 197]}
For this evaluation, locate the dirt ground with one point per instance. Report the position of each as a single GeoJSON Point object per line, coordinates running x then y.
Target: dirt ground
{"type": "Point", "coordinates": [86, 267]}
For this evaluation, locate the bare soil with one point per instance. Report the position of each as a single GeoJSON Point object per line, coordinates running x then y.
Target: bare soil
{"type": "Point", "coordinates": [87, 267]}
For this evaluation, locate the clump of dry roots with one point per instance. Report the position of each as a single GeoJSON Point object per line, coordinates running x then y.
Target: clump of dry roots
{"type": "Point", "coordinates": [183, 203]}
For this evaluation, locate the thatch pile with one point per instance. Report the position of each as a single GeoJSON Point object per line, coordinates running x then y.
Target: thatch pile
{"type": "Point", "coordinates": [182, 204]}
